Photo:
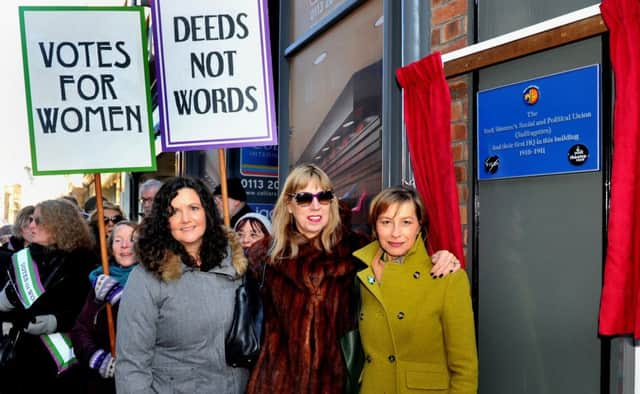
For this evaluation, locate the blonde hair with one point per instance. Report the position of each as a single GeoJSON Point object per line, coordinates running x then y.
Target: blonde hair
{"type": "Point", "coordinates": [65, 224]}
{"type": "Point", "coordinates": [287, 238]}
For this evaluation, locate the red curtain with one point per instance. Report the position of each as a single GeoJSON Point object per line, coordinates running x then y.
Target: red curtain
{"type": "Point", "coordinates": [427, 115]}
{"type": "Point", "coordinates": [620, 303]}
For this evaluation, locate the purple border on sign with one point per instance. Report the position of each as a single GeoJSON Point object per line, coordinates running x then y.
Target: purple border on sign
{"type": "Point", "coordinates": [165, 130]}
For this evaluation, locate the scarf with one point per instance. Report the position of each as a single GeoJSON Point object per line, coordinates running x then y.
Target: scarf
{"type": "Point", "coordinates": [117, 272]}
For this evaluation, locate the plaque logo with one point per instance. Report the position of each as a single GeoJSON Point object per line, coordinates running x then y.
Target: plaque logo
{"type": "Point", "coordinates": [578, 154]}
{"type": "Point", "coordinates": [531, 95]}
{"type": "Point", "coordinates": [491, 164]}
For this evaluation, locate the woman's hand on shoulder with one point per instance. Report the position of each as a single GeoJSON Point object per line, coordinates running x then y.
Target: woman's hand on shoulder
{"type": "Point", "coordinates": [444, 263]}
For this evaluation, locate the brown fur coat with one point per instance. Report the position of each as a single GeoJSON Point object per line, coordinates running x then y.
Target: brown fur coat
{"type": "Point", "coordinates": [306, 302]}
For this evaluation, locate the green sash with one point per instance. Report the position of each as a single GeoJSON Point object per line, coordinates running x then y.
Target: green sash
{"type": "Point", "coordinates": [28, 284]}
{"type": "Point", "coordinates": [60, 347]}
{"type": "Point", "coordinates": [29, 288]}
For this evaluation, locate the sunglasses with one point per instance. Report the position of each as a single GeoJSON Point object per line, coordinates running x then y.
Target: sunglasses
{"type": "Point", "coordinates": [304, 199]}
{"type": "Point", "coordinates": [113, 219]}
{"type": "Point", "coordinates": [35, 219]}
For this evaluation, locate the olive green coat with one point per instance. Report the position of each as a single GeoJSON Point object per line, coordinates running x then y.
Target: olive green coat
{"type": "Point", "coordinates": [417, 332]}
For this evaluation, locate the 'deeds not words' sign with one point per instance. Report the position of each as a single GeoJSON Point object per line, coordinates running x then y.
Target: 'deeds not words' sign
{"type": "Point", "coordinates": [214, 71]}
{"type": "Point", "coordinates": [87, 86]}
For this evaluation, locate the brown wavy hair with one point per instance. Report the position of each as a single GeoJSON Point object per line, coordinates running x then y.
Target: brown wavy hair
{"type": "Point", "coordinates": [66, 225]}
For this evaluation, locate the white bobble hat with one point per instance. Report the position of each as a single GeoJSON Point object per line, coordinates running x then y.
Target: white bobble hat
{"type": "Point", "coordinates": [261, 218]}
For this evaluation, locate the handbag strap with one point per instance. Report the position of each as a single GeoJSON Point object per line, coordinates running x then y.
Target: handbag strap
{"type": "Point", "coordinates": [264, 270]}
{"type": "Point", "coordinates": [355, 301]}
{"type": "Point", "coordinates": [262, 275]}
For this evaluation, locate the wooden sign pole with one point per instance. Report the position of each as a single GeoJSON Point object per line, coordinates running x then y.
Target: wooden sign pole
{"type": "Point", "coordinates": [223, 187]}
{"type": "Point", "coordinates": [102, 235]}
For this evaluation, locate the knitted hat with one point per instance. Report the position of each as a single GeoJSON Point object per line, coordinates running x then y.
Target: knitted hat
{"type": "Point", "coordinates": [234, 190]}
{"type": "Point", "coordinates": [261, 218]}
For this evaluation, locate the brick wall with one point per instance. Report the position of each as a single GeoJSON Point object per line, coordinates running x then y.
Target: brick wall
{"type": "Point", "coordinates": [449, 31]}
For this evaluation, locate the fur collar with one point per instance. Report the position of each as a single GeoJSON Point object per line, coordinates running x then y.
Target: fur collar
{"type": "Point", "coordinates": [235, 264]}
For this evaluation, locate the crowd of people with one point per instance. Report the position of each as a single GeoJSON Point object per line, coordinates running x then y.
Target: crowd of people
{"type": "Point", "coordinates": [170, 290]}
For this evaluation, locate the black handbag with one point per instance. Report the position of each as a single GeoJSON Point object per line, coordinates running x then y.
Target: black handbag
{"type": "Point", "coordinates": [350, 345]}
{"type": "Point", "coordinates": [242, 343]}
{"type": "Point", "coordinates": [353, 355]}
{"type": "Point", "coordinates": [8, 348]}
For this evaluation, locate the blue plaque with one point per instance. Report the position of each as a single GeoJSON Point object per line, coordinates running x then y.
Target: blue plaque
{"type": "Point", "coordinates": [543, 126]}
{"type": "Point", "coordinates": [259, 170]}
{"type": "Point", "coordinates": [259, 161]}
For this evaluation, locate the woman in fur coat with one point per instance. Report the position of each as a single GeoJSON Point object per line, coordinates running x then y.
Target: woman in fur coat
{"type": "Point", "coordinates": [178, 303]}
{"type": "Point", "coordinates": [308, 285]}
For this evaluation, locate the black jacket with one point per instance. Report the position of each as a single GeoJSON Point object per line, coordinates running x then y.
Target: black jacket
{"type": "Point", "coordinates": [65, 278]}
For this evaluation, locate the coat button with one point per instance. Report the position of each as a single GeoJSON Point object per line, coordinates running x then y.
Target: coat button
{"type": "Point", "coordinates": [416, 275]}
{"type": "Point", "coordinates": [369, 359]}
{"type": "Point", "coordinates": [392, 358]}
{"type": "Point", "coordinates": [361, 315]}
{"type": "Point", "coordinates": [400, 315]}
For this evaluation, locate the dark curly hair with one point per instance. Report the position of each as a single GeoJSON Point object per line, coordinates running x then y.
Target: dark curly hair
{"type": "Point", "coordinates": [155, 240]}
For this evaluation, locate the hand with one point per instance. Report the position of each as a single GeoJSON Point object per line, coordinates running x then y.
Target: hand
{"type": "Point", "coordinates": [9, 299]}
{"type": "Point", "coordinates": [5, 304]}
{"type": "Point", "coordinates": [104, 363]}
{"type": "Point", "coordinates": [107, 289]}
{"type": "Point", "coordinates": [444, 263]}
{"type": "Point", "coordinates": [42, 324]}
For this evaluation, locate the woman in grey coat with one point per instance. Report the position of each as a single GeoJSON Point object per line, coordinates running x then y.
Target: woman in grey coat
{"type": "Point", "coordinates": [178, 303]}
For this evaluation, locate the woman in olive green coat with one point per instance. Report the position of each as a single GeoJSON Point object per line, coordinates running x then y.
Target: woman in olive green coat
{"type": "Point", "coordinates": [417, 333]}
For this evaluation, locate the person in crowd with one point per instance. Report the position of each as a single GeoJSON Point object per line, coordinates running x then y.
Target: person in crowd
{"type": "Point", "coordinates": [18, 239]}
{"type": "Point", "coordinates": [148, 191]}
{"type": "Point", "coordinates": [90, 334]}
{"type": "Point", "coordinates": [308, 287]}
{"type": "Point", "coordinates": [20, 230]}
{"type": "Point", "coordinates": [178, 303]}
{"type": "Point", "coordinates": [43, 306]}
{"type": "Point", "coordinates": [253, 227]}
{"type": "Point", "coordinates": [5, 234]}
{"type": "Point", "coordinates": [417, 333]}
{"type": "Point", "coordinates": [90, 205]}
{"type": "Point", "coordinates": [112, 214]}
{"type": "Point", "coordinates": [237, 198]}
{"type": "Point", "coordinates": [72, 199]}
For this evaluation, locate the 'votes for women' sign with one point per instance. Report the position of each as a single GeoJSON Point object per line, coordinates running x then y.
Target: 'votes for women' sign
{"type": "Point", "coordinates": [87, 86]}
{"type": "Point", "coordinates": [214, 74]}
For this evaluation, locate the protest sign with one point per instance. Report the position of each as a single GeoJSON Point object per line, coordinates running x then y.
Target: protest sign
{"type": "Point", "coordinates": [87, 87]}
{"type": "Point", "coordinates": [214, 72]}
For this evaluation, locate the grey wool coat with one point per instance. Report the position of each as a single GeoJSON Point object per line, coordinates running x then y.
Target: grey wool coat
{"type": "Point", "coordinates": [172, 327]}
